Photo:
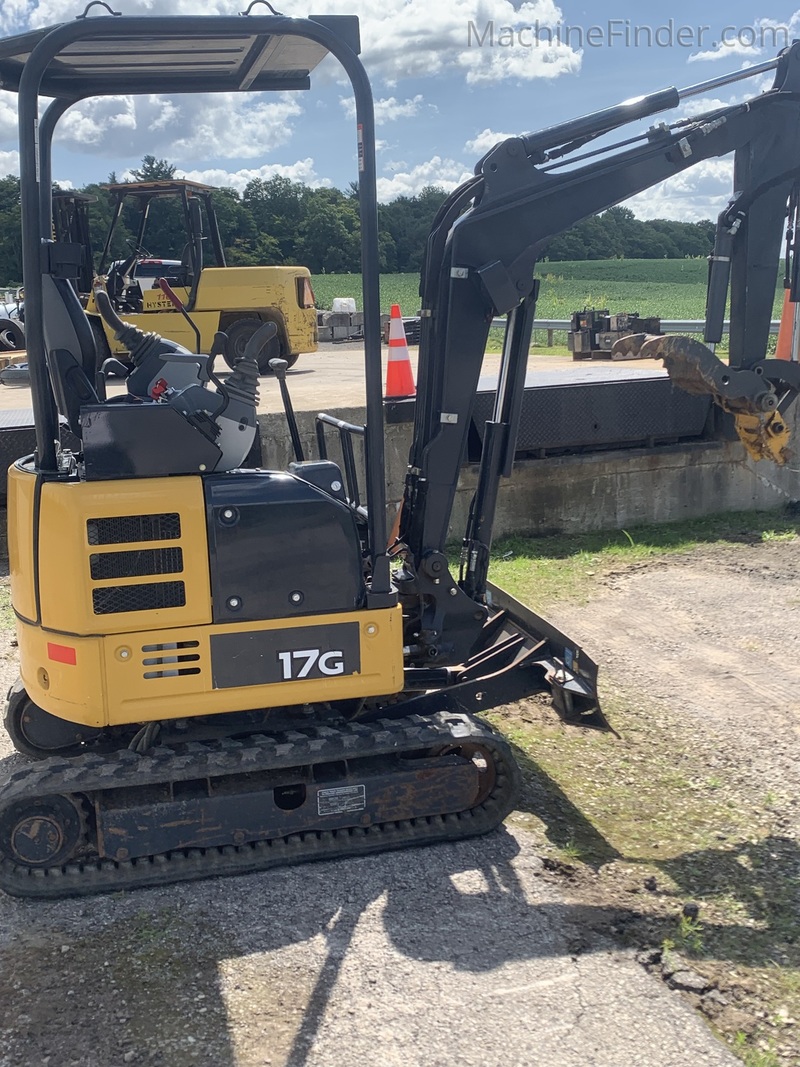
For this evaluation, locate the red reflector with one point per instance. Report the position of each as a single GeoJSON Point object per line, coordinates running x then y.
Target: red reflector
{"type": "Point", "coordinates": [62, 653]}
{"type": "Point", "coordinates": [305, 294]}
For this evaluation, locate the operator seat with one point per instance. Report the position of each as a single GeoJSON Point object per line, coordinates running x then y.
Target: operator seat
{"type": "Point", "coordinates": [143, 434]}
{"type": "Point", "coordinates": [70, 347]}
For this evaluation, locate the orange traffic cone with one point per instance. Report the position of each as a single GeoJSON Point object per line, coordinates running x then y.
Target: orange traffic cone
{"type": "Point", "coordinates": [783, 349]}
{"type": "Point", "coordinates": [399, 376]}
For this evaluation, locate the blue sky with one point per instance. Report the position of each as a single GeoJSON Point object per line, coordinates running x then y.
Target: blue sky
{"type": "Point", "coordinates": [442, 97]}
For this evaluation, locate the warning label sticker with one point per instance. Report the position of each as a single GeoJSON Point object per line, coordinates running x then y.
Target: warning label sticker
{"type": "Point", "coordinates": [342, 799]}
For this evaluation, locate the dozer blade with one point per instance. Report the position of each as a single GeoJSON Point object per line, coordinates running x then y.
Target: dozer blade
{"type": "Point", "coordinates": [517, 655]}
{"type": "Point", "coordinates": [749, 395]}
{"type": "Point", "coordinates": [569, 672]}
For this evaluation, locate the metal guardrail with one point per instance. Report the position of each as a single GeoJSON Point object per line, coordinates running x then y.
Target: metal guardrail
{"type": "Point", "coordinates": [668, 325]}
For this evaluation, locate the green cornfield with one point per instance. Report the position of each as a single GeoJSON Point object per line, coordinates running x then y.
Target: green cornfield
{"type": "Point", "coordinates": [670, 288]}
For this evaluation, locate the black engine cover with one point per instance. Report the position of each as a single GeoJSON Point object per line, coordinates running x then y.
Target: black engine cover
{"type": "Point", "coordinates": [279, 548]}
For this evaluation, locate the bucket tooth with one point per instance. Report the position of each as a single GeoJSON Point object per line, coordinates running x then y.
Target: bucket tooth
{"type": "Point", "coordinates": [629, 346]}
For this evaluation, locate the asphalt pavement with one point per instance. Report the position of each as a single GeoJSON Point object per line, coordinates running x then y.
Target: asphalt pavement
{"type": "Point", "coordinates": [333, 377]}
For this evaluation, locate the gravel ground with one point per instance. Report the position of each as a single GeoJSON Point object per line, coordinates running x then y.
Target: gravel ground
{"type": "Point", "coordinates": [486, 952]}
{"type": "Point", "coordinates": [462, 954]}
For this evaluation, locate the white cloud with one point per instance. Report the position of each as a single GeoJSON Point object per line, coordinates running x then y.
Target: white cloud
{"type": "Point", "coordinates": [416, 39]}
{"type": "Point", "coordinates": [699, 105]}
{"type": "Point", "coordinates": [106, 121]}
{"type": "Point", "coordinates": [386, 110]}
{"type": "Point", "coordinates": [9, 163]}
{"type": "Point", "coordinates": [301, 171]}
{"type": "Point", "coordinates": [16, 16]}
{"type": "Point", "coordinates": [724, 50]}
{"type": "Point", "coordinates": [446, 173]}
{"type": "Point", "coordinates": [484, 141]}
{"type": "Point", "coordinates": [222, 126]}
{"type": "Point", "coordinates": [700, 192]}
{"type": "Point", "coordinates": [764, 37]}
{"type": "Point", "coordinates": [168, 116]}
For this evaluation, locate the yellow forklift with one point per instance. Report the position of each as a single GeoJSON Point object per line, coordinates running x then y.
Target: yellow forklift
{"type": "Point", "coordinates": [236, 300]}
{"type": "Point", "coordinates": [222, 669]}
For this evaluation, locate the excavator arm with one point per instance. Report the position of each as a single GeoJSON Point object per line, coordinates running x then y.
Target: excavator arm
{"type": "Point", "coordinates": [480, 260]}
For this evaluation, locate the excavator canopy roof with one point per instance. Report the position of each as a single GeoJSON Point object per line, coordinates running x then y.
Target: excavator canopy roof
{"type": "Point", "coordinates": [246, 59]}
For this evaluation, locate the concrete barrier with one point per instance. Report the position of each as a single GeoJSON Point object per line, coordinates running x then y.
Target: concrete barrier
{"type": "Point", "coordinates": [603, 490]}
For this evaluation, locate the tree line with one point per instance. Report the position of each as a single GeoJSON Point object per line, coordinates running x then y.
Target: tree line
{"type": "Point", "coordinates": [279, 221]}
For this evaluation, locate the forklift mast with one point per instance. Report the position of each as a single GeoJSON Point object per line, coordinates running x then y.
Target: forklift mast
{"type": "Point", "coordinates": [195, 200]}
{"type": "Point", "coordinates": [71, 226]}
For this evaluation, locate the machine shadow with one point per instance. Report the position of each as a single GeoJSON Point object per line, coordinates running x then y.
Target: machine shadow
{"type": "Point", "coordinates": [198, 973]}
{"type": "Point", "coordinates": [755, 879]}
{"type": "Point", "coordinates": [477, 905]}
{"type": "Point", "coordinates": [565, 825]}
{"type": "Point", "coordinates": [187, 974]}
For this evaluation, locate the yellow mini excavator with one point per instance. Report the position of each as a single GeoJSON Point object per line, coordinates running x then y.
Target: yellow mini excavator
{"type": "Point", "coordinates": [224, 669]}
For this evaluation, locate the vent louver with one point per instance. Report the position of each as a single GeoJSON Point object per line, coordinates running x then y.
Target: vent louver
{"type": "Point", "coordinates": [169, 660]}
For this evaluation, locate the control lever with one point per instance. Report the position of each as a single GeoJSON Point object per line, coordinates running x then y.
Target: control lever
{"type": "Point", "coordinates": [279, 368]}
{"type": "Point", "coordinates": [177, 303]}
{"type": "Point", "coordinates": [259, 340]}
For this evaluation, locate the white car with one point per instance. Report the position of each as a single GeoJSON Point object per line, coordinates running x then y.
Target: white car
{"type": "Point", "coordinates": [149, 269]}
{"type": "Point", "coordinates": [12, 331]}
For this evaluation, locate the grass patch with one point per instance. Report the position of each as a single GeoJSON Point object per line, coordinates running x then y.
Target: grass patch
{"type": "Point", "coordinates": [649, 823]}
{"type": "Point", "coordinates": [668, 288]}
{"type": "Point", "coordinates": [646, 798]}
{"type": "Point", "coordinates": [538, 570]}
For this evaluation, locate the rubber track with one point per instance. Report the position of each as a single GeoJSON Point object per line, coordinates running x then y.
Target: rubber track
{"type": "Point", "coordinates": [91, 773]}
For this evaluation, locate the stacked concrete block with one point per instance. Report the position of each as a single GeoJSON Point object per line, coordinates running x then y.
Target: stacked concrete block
{"type": "Point", "coordinates": [340, 325]}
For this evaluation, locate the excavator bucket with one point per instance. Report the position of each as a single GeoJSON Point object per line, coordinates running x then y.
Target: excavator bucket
{"type": "Point", "coordinates": [694, 368]}
{"type": "Point", "coordinates": [749, 395]}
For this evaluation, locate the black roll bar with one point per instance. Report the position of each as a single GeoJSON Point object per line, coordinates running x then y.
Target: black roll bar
{"type": "Point", "coordinates": [35, 147]}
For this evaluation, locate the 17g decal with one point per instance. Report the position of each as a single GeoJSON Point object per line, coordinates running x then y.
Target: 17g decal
{"type": "Point", "coordinates": [301, 662]}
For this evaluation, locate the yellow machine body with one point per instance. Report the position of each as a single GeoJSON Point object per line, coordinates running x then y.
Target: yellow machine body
{"type": "Point", "coordinates": [140, 665]}
{"type": "Point", "coordinates": [225, 295]}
